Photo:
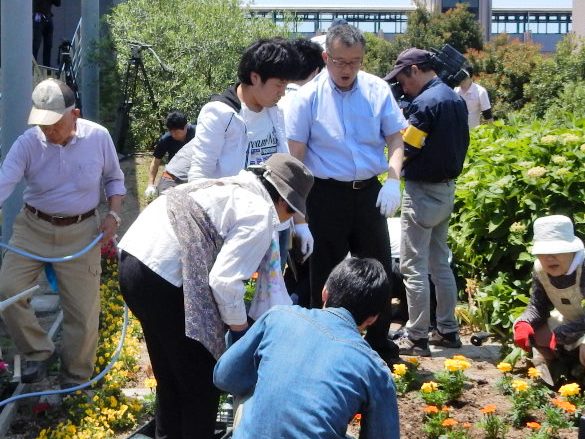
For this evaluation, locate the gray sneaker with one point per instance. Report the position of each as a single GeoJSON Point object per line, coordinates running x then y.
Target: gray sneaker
{"type": "Point", "coordinates": [411, 347]}
{"type": "Point", "coordinates": [448, 340]}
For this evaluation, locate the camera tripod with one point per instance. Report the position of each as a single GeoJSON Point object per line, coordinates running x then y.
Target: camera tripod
{"type": "Point", "coordinates": [65, 71]}
{"type": "Point", "coordinates": [134, 68]}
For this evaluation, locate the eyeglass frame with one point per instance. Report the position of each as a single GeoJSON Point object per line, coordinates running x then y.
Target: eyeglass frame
{"type": "Point", "coordinates": [341, 64]}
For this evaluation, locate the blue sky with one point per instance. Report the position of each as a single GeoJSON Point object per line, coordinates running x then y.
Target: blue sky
{"type": "Point", "coordinates": [495, 3]}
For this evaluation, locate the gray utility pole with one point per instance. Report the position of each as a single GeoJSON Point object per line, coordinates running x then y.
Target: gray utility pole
{"type": "Point", "coordinates": [15, 103]}
{"type": "Point", "coordinates": [90, 77]}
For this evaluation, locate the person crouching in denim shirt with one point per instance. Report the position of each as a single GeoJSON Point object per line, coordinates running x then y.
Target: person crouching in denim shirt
{"type": "Point", "coordinates": [344, 377]}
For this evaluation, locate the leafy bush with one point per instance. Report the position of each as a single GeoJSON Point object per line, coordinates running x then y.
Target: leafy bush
{"type": "Point", "coordinates": [200, 40]}
{"type": "Point", "coordinates": [513, 175]}
{"type": "Point", "coordinates": [504, 68]}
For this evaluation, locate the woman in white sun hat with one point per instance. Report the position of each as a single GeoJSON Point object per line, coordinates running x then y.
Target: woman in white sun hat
{"type": "Point", "coordinates": [553, 324]}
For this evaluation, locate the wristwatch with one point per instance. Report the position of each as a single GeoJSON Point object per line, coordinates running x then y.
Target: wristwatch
{"type": "Point", "coordinates": [116, 217]}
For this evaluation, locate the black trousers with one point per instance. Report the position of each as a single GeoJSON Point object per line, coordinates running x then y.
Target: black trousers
{"type": "Point", "coordinates": [187, 400]}
{"type": "Point", "coordinates": [43, 30]}
{"type": "Point", "coordinates": [344, 220]}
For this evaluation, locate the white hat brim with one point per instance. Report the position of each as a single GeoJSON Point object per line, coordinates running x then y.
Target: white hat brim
{"type": "Point", "coordinates": [44, 117]}
{"type": "Point", "coordinates": [554, 247]}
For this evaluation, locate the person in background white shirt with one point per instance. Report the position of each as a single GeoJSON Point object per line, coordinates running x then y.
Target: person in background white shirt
{"type": "Point", "coordinates": [477, 100]}
{"type": "Point", "coordinates": [185, 281]}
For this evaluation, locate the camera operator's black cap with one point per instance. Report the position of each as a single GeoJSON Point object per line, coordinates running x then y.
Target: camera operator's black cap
{"type": "Point", "coordinates": [407, 58]}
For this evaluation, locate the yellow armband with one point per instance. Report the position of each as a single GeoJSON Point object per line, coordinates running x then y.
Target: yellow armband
{"type": "Point", "coordinates": [414, 137]}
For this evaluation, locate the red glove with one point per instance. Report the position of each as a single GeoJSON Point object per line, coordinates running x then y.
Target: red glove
{"type": "Point", "coordinates": [522, 333]}
{"type": "Point", "coordinates": [553, 342]}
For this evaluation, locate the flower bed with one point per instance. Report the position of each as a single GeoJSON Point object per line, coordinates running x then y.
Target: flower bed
{"type": "Point", "coordinates": [104, 411]}
{"type": "Point", "coordinates": [457, 398]}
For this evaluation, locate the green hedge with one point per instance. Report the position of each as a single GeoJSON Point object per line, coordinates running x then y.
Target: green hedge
{"type": "Point", "coordinates": [513, 175]}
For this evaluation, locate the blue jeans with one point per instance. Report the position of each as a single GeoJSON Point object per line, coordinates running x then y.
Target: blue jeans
{"type": "Point", "coordinates": [426, 208]}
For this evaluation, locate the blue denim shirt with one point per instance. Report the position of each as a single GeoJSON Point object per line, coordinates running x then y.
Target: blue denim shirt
{"type": "Point", "coordinates": [311, 372]}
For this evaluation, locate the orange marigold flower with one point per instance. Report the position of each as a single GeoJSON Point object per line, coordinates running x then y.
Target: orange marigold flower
{"type": "Point", "coordinates": [533, 425]}
{"type": "Point", "coordinates": [490, 408]}
{"type": "Point", "coordinates": [445, 408]}
{"type": "Point", "coordinates": [431, 409]}
{"type": "Point", "coordinates": [565, 405]}
{"type": "Point", "coordinates": [449, 422]}
{"type": "Point", "coordinates": [467, 425]}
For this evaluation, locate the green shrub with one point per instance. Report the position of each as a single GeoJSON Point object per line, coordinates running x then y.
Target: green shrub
{"type": "Point", "coordinates": [201, 40]}
{"type": "Point", "coordinates": [513, 175]}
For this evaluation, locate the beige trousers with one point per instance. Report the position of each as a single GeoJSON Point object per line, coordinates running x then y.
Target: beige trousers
{"type": "Point", "coordinates": [78, 281]}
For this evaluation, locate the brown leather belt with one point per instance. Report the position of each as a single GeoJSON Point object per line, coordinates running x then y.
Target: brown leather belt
{"type": "Point", "coordinates": [60, 220]}
{"type": "Point", "coordinates": [356, 184]}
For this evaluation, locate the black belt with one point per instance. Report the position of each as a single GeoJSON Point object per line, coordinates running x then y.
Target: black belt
{"type": "Point", "coordinates": [355, 184]}
{"type": "Point", "coordinates": [60, 220]}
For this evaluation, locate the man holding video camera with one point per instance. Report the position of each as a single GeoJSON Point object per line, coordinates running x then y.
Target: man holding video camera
{"type": "Point", "coordinates": [435, 145]}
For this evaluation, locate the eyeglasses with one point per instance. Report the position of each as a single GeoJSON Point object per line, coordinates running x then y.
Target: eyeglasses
{"type": "Point", "coordinates": [340, 64]}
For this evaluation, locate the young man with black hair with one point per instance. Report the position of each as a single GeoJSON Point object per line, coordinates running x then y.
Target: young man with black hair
{"type": "Point", "coordinates": [435, 145]}
{"type": "Point", "coordinates": [179, 133]}
{"type": "Point", "coordinates": [311, 64]}
{"type": "Point", "coordinates": [243, 126]}
{"type": "Point", "coordinates": [336, 373]}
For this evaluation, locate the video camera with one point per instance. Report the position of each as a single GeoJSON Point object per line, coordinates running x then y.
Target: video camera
{"type": "Point", "coordinates": [447, 63]}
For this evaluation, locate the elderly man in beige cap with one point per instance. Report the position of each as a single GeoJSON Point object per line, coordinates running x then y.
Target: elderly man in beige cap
{"type": "Point", "coordinates": [553, 324]}
{"type": "Point", "coordinates": [64, 160]}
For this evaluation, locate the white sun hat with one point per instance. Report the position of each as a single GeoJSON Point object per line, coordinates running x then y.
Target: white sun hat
{"type": "Point", "coordinates": [555, 234]}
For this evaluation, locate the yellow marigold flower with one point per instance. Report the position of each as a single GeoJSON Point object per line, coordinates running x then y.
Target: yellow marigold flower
{"type": "Point", "coordinates": [413, 360]}
{"type": "Point", "coordinates": [150, 383]}
{"type": "Point", "coordinates": [520, 386]}
{"type": "Point", "coordinates": [459, 357]}
{"type": "Point", "coordinates": [400, 369]}
{"type": "Point", "coordinates": [490, 408]}
{"type": "Point", "coordinates": [533, 373]}
{"type": "Point", "coordinates": [570, 389]}
{"type": "Point", "coordinates": [449, 422]}
{"type": "Point", "coordinates": [504, 367]}
{"type": "Point", "coordinates": [533, 425]}
{"type": "Point", "coordinates": [429, 387]}
{"type": "Point", "coordinates": [453, 365]}
{"type": "Point", "coordinates": [431, 409]}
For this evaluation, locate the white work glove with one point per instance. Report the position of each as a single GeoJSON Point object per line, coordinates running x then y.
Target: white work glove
{"type": "Point", "coordinates": [303, 233]}
{"type": "Point", "coordinates": [389, 197]}
{"type": "Point", "coordinates": [151, 191]}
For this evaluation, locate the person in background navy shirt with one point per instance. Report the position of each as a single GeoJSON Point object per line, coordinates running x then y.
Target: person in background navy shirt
{"type": "Point", "coordinates": [180, 132]}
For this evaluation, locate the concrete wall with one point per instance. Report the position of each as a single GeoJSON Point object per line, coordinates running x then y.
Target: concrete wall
{"type": "Point", "coordinates": [579, 17]}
